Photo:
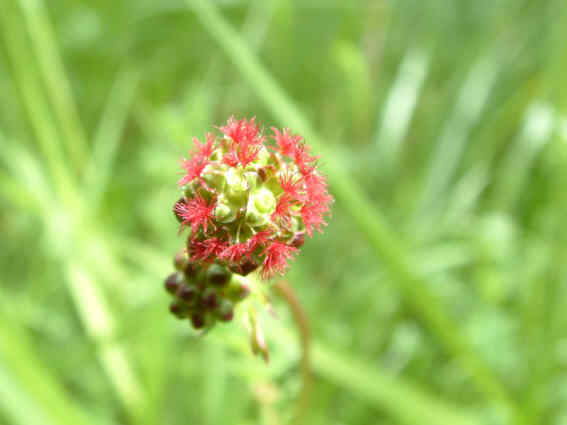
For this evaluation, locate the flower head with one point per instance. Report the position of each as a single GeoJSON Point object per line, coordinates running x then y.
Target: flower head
{"type": "Point", "coordinates": [249, 199]}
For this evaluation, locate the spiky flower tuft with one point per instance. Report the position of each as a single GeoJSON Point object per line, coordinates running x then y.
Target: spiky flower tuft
{"type": "Point", "coordinates": [248, 198]}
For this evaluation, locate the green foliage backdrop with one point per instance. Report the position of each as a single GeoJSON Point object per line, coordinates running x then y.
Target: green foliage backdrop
{"type": "Point", "coordinates": [435, 295]}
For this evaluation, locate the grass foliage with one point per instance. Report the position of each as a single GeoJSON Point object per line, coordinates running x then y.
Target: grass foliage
{"type": "Point", "coordinates": [436, 293]}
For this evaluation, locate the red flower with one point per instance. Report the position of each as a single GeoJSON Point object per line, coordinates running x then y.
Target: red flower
{"type": "Point", "coordinates": [206, 250]}
{"type": "Point", "coordinates": [257, 240]}
{"type": "Point", "coordinates": [204, 150]}
{"type": "Point", "coordinates": [235, 252]}
{"type": "Point", "coordinates": [246, 141]}
{"type": "Point", "coordinates": [235, 238]}
{"type": "Point", "coordinates": [276, 258]}
{"type": "Point", "coordinates": [199, 159]}
{"type": "Point", "coordinates": [317, 204]}
{"type": "Point", "coordinates": [290, 187]}
{"type": "Point", "coordinates": [240, 131]}
{"type": "Point", "coordinates": [193, 167]}
{"type": "Point", "coordinates": [248, 152]}
{"type": "Point", "coordinates": [230, 158]}
{"type": "Point", "coordinates": [286, 142]}
{"type": "Point", "coordinates": [283, 211]}
{"type": "Point", "coordinates": [195, 212]}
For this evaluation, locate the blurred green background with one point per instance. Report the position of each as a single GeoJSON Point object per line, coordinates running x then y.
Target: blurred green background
{"type": "Point", "coordinates": [436, 294]}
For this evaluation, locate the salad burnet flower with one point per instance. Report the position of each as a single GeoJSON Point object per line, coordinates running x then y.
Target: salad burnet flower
{"type": "Point", "coordinates": [248, 198]}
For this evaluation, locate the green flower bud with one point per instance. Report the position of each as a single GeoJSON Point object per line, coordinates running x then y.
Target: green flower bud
{"type": "Point", "coordinates": [237, 186]}
{"type": "Point", "coordinates": [224, 213]}
{"type": "Point", "coordinates": [264, 201]}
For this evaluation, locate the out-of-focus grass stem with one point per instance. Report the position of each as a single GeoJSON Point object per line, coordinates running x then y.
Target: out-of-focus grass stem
{"type": "Point", "coordinates": [455, 134]}
{"type": "Point", "coordinates": [16, 352]}
{"type": "Point", "coordinates": [400, 104]}
{"type": "Point", "coordinates": [112, 355]}
{"type": "Point", "coordinates": [538, 126]}
{"type": "Point", "coordinates": [17, 406]}
{"type": "Point", "coordinates": [109, 130]}
{"type": "Point", "coordinates": [53, 73]}
{"type": "Point", "coordinates": [36, 106]}
{"type": "Point", "coordinates": [101, 327]}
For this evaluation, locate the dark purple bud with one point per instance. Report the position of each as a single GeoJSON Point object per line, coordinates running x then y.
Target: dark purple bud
{"type": "Point", "coordinates": [245, 268]}
{"type": "Point", "coordinates": [191, 270]}
{"type": "Point", "coordinates": [177, 310]}
{"type": "Point", "coordinates": [210, 300]}
{"type": "Point", "coordinates": [218, 275]}
{"type": "Point", "coordinates": [173, 282]}
{"type": "Point", "coordinates": [227, 317]}
{"type": "Point", "coordinates": [197, 320]}
{"type": "Point", "coordinates": [187, 293]}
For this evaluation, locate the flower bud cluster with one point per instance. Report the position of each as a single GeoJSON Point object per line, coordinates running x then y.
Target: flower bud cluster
{"type": "Point", "coordinates": [249, 200]}
{"type": "Point", "coordinates": [204, 295]}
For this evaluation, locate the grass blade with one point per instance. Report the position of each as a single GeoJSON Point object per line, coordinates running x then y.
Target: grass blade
{"type": "Point", "coordinates": [56, 82]}
{"type": "Point", "coordinates": [17, 405]}
{"type": "Point", "coordinates": [402, 401]}
{"type": "Point", "coordinates": [400, 104]}
{"type": "Point", "coordinates": [100, 327]}
{"type": "Point", "coordinates": [16, 353]}
{"type": "Point", "coordinates": [538, 127]}
{"type": "Point", "coordinates": [36, 106]}
{"type": "Point", "coordinates": [107, 136]}
{"type": "Point", "coordinates": [454, 136]}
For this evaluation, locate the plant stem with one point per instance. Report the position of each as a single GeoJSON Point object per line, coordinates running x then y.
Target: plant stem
{"type": "Point", "coordinates": [287, 293]}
